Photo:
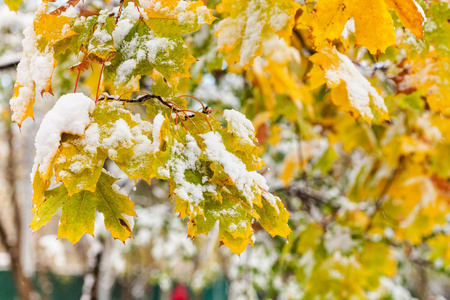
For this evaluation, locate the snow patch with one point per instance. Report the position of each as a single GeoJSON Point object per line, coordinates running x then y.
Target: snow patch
{"type": "Point", "coordinates": [71, 114]}
{"type": "Point", "coordinates": [358, 87]}
{"type": "Point", "coordinates": [157, 123]}
{"type": "Point", "coordinates": [248, 183]}
{"type": "Point", "coordinates": [240, 125]}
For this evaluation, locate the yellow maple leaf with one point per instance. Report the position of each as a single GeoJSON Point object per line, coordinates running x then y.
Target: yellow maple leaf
{"type": "Point", "coordinates": [350, 89]}
{"type": "Point", "coordinates": [374, 27]}
{"type": "Point", "coordinates": [36, 66]}
{"type": "Point", "coordinates": [272, 73]}
{"type": "Point", "coordinates": [22, 102]}
{"type": "Point", "coordinates": [51, 29]}
{"type": "Point", "coordinates": [430, 74]}
{"type": "Point", "coordinates": [248, 22]}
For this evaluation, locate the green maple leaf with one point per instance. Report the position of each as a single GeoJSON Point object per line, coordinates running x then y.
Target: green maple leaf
{"type": "Point", "coordinates": [154, 41]}
{"type": "Point", "coordinates": [235, 223]}
{"type": "Point", "coordinates": [142, 51]}
{"type": "Point", "coordinates": [168, 92]}
{"type": "Point", "coordinates": [94, 36]}
{"type": "Point", "coordinates": [273, 215]}
{"type": "Point", "coordinates": [115, 124]}
{"type": "Point", "coordinates": [78, 211]}
{"type": "Point", "coordinates": [77, 165]}
{"type": "Point", "coordinates": [79, 160]}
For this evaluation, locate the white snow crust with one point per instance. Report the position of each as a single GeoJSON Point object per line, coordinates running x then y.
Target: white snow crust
{"type": "Point", "coordinates": [71, 114]}
{"type": "Point", "coordinates": [358, 87]}
{"type": "Point", "coordinates": [240, 125]}
{"type": "Point", "coordinates": [34, 71]}
{"type": "Point", "coordinates": [246, 182]}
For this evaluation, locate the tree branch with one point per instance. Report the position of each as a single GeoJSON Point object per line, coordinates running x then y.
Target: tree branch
{"type": "Point", "coordinates": [139, 99]}
{"type": "Point", "coordinates": [9, 64]}
{"type": "Point", "coordinates": [379, 202]}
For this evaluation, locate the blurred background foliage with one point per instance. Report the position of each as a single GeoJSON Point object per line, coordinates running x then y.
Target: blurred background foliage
{"type": "Point", "coordinates": [369, 204]}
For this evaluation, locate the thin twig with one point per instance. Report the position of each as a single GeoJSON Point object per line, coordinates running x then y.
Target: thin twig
{"type": "Point", "coordinates": [174, 108]}
{"type": "Point", "coordinates": [380, 201]}
{"type": "Point", "coordinates": [9, 65]}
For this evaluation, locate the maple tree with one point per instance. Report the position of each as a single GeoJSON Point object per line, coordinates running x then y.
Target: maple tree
{"type": "Point", "coordinates": [358, 90]}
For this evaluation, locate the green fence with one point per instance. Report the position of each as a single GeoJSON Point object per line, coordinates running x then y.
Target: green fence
{"type": "Point", "coordinates": [70, 288]}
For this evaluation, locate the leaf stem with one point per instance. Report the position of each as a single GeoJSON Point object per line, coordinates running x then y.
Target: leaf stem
{"type": "Point", "coordinates": [99, 81]}
{"type": "Point", "coordinates": [79, 70]}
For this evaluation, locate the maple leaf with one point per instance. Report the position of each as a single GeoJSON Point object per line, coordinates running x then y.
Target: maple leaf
{"type": "Point", "coordinates": [235, 223]}
{"type": "Point", "coordinates": [66, 117]}
{"type": "Point", "coordinates": [154, 40]}
{"type": "Point", "coordinates": [51, 29]}
{"type": "Point", "coordinates": [70, 114]}
{"type": "Point", "coordinates": [430, 73]}
{"type": "Point", "coordinates": [78, 211]}
{"type": "Point", "coordinates": [78, 163]}
{"type": "Point", "coordinates": [115, 133]}
{"type": "Point", "coordinates": [248, 23]}
{"type": "Point", "coordinates": [94, 37]}
{"type": "Point", "coordinates": [36, 66]}
{"type": "Point", "coordinates": [350, 89]}
{"type": "Point", "coordinates": [115, 124]}
{"type": "Point", "coordinates": [374, 27]}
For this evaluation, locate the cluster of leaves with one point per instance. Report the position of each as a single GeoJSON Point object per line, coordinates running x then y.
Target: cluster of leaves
{"type": "Point", "coordinates": [211, 170]}
{"type": "Point", "coordinates": [373, 193]}
{"type": "Point", "coordinates": [364, 195]}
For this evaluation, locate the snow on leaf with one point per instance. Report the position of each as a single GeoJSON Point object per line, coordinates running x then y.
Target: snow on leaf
{"type": "Point", "coordinates": [147, 137]}
{"type": "Point", "coordinates": [71, 114]}
{"type": "Point", "coordinates": [241, 126]}
{"type": "Point", "coordinates": [374, 27]}
{"type": "Point", "coordinates": [102, 44]}
{"type": "Point", "coordinates": [94, 36]}
{"type": "Point", "coordinates": [235, 223]}
{"type": "Point", "coordinates": [247, 23]}
{"type": "Point", "coordinates": [274, 217]}
{"type": "Point", "coordinates": [78, 211]}
{"type": "Point", "coordinates": [36, 66]}
{"type": "Point", "coordinates": [79, 163]}
{"type": "Point", "coordinates": [51, 29]}
{"type": "Point", "coordinates": [141, 51]}
{"type": "Point", "coordinates": [350, 89]}
{"type": "Point", "coordinates": [115, 125]}
{"type": "Point", "coordinates": [23, 100]}
{"type": "Point", "coordinates": [174, 17]}
{"type": "Point", "coordinates": [248, 183]}
{"type": "Point", "coordinates": [154, 41]}
{"type": "Point", "coordinates": [115, 133]}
